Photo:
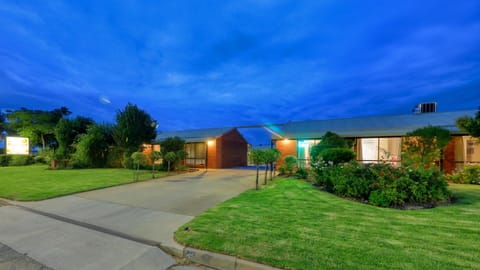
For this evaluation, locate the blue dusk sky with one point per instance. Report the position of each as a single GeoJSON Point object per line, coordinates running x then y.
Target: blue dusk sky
{"type": "Point", "coordinates": [198, 64]}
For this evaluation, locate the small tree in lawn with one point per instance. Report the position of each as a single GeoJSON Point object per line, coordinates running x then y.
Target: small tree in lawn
{"type": "Point", "coordinates": [172, 144]}
{"type": "Point", "coordinates": [271, 156]}
{"type": "Point", "coordinates": [137, 157]}
{"type": "Point", "coordinates": [257, 157]}
{"type": "Point", "coordinates": [169, 157]}
{"type": "Point", "coordinates": [181, 155]}
{"type": "Point", "coordinates": [154, 156]}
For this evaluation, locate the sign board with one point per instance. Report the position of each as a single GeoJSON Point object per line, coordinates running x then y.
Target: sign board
{"type": "Point", "coordinates": [17, 146]}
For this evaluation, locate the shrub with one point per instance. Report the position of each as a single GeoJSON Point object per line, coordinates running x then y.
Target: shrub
{"type": "Point", "coordinates": [39, 159]}
{"type": "Point", "coordinates": [337, 155]}
{"type": "Point", "coordinates": [290, 163]}
{"type": "Point", "coordinates": [128, 162]}
{"type": "Point", "coordinates": [382, 184]}
{"type": "Point", "coordinates": [329, 140]}
{"type": "Point", "coordinates": [470, 174]}
{"type": "Point", "coordinates": [301, 173]}
{"type": "Point", "coordinates": [4, 160]}
{"type": "Point", "coordinates": [282, 170]}
{"type": "Point", "coordinates": [20, 160]}
{"type": "Point", "coordinates": [115, 158]}
{"type": "Point", "coordinates": [47, 155]}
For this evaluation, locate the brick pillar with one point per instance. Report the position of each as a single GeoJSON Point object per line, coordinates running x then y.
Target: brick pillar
{"type": "Point", "coordinates": [449, 157]}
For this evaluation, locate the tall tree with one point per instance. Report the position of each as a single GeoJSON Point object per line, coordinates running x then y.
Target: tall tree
{"type": "Point", "coordinates": [3, 125]}
{"type": "Point", "coordinates": [67, 131]}
{"type": "Point", "coordinates": [92, 147]}
{"type": "Point", "coordinates": [134, 127]}
{"type": "Point", "coordinates": [470, 124]}
{"type": "Point", "coordinates": [37, 125]}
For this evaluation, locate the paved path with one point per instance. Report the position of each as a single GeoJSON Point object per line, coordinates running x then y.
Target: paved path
{"type": "Point", "coordinates": [150, 210]}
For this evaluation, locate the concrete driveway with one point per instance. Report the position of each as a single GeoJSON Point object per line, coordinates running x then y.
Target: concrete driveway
{"type": "Point", "coordinates": [186, 194]}
{"type": "Point", "coordinates": [148, 211]}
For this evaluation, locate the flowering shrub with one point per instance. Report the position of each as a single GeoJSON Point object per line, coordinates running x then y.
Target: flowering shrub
{"type": "Point", "coordinates": [469, 175]}
{"type": "Point", "coordinates": [382, 184]}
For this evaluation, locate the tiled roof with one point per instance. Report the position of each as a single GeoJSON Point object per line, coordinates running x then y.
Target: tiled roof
{"type": "Point", "coordinates": [373, 126]}
{"type": "Point", "coordinates": [194, 135]}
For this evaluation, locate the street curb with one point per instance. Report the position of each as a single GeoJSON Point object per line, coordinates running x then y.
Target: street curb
{"type": "Point", "coordinates": [214, 260]}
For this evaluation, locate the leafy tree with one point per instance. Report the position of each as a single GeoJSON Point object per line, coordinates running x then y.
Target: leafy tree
{"type": "Point", "coordinates": [271, 156]}
{"type": "Point", "coordinates": [154, 156]}
{"type": "Point", "coordinates": [169, 157]}
{"type": "Point", "coordinates": [423, 146]}
{"type": "Point", "coordinates": [257, 157]}
{"type": "Point", "coordinates": [138, 158]}
{"type": "Point", "coordinates": [92, 147]}
{"type": "Point", "coordinates": [172, 144]}
{"type": "Point", "coordinates": [37, 125]}
{"type": "Point", "coordinates": [67, 132]}
{"type": "Point", "coordinates": [470, 124]}
{"type": "Point", "coordinates": [329, 140]}
{"type": "Point", "coordinates": [3, 125]}
{"type": "Point", "coordinates": [133, 128]}
{"type": "Point", "coordinates": [175, 145]}
{"type": "Point", "coordinates": [181, 155]}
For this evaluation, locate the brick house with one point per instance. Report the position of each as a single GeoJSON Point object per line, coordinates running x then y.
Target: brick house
{"type": "Point", "coordinates": [212, 147]}
{"type": "Point", "coordinates": [379, 138]}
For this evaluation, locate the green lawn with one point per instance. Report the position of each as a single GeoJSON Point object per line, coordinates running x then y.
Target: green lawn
{"type": "Point", "coordinates": [30, 183]}
{"type": "Point", "coordinates": [290, 224]}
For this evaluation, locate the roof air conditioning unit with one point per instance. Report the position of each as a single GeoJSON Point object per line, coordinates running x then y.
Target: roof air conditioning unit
{"type": "Point", "coordinates": [428, 107]}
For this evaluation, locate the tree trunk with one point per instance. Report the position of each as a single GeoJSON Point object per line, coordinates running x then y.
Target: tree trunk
{"type": "Point", "coordinates": [168, 168]}
{"type": "Point", "coordinates": [266, 173]}
{"type": "Point", "coordinates": [43, 142]}
{"type": "Point", "coordinates": [271, 171]}
{"type": "Point", "coordinates": [138, 168]}
{"type": "Point", "coordinates": [153, 170]}
{"type": "Point", "coordinates": [256, 180]}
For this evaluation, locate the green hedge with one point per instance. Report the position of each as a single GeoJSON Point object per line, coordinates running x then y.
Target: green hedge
{"type": "Point", "coordinates": [382, 184]}
{"type": "Point", "coordinates": [15, 160]}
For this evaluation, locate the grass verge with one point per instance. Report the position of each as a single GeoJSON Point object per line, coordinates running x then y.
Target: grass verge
{"type": "Point", "coordinates": [290, 224]}
{"type": "Point", "coordinates": [36, 182]}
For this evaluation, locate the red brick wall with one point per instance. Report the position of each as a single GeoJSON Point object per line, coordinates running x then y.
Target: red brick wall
{"type": "Point", "coordinates": [287, 148]}
{"type": "Point", "coordinates": [449, 157]}
{"type": "Point", "coordinates": [212, 154]}
{"type": "Point", "coordinates": [232, 150]}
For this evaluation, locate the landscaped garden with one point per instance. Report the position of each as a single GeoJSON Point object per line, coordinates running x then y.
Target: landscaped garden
{"type": "Point", "coordinates": [292, 224]}
{"type": "Point", "coordinates": [37, 182]}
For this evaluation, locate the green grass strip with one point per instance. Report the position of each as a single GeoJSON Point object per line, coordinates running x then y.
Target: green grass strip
{"type": "Point", "coordinates": [37, 182]}
{"type": "Point", "coordinates": [291, 224]}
